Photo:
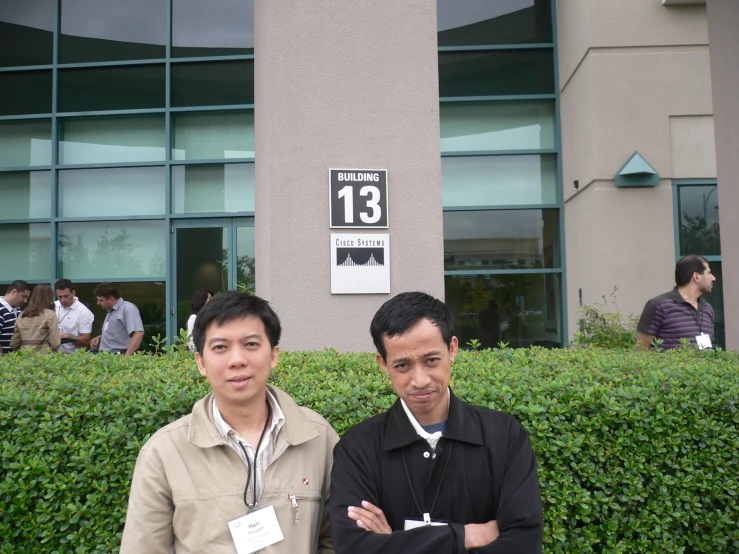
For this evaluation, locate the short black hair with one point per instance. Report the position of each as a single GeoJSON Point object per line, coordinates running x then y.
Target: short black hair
{"type": "Point", "coordinates": [232, 305]}
{"type": "Point", "coordinates": [107, 290]}
{"type": "Point", "coordinates": [20, 285]}
{"type": "Point", "coordinates": [404, 311]}
{"type": "Point", "coordinates": [62, 284]}
{"type": "Point", "coordinates": [686, 266]}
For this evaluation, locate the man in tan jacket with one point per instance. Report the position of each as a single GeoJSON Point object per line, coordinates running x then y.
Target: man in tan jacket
{"type": "Point", "coordinates": [248, 469]}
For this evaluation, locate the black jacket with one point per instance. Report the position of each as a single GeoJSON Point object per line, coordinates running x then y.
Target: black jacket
{"type": "Point", "coordinates": [490, 474]}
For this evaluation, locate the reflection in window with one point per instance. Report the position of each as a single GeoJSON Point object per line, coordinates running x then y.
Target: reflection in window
{"type": "Point", "coordinates": [26, 32]}
{"type": "Point", "coordinates": [213, 188]}
{"type": "Point", "coordinates": [124, 191]}
{"type": "Point", "coordinates": [213, 135]}
{"type": "Point", "coordinates": [214, 28]}
{"type": "Point", "coordinates": [25, 93]}
{"type": "Point", "coordinates": [112, 249]}
{"type": "Point", "coordinates": [111, 30]}
{"type": "Point", "coordinates": [25, 142]}
{"type": "Point", "coordinates": [518, 309]}
{"type": "Point", "coordinates": [212, 84]}
{"type": "Point", "coordinates": [112, 88]}
{"type": "Point", "coordinates": [501, 239]}
{"type": "Point", "coordinates": [481, 126]}
{"type": "Point", "coordinates": [699, 224]}
{"type": "Point", "coordinates": [481, 22]}
{"type": "Point", "coordinates": [111, 139]}
{"type": "Point", "coordinates": [498, 180]}
{"type": "Point", "coordinates": [245, 259]}
{"type": "Point", "coordinates": [496, 73]}
{"type": "Point", "coordinates": [25, 195]}
{"type": "Point", "coordinates": [25, 251]}
{"type": "Point", "coordinates": [150, 299]}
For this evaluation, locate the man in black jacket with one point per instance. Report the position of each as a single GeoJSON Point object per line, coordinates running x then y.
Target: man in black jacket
{"type": "Point", "coordinates": [433, 474]}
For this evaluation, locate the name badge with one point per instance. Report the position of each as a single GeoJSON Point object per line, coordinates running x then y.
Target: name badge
{"type": "Point", "coordinates": [704, 341]}
{"type": "Point", "coordinates": [416, 523]}
{"type": "Point", "coordinates": [105, 326]}
{"type": "Point", "coordinates": [256, 530]}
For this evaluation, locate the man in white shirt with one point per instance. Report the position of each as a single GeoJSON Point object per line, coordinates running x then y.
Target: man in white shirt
{"type": "Point", "coordinates": [75, 319]}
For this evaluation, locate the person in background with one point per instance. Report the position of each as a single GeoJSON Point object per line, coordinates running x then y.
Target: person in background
{"type": "Point", "coordinates": [75, 319]}
{"type": "Point", "coordinates": [123, 329]}
{"type": "Point", "coordinates": [199, 299]}
{"type": "Point", "coordinates": [10, 308]}
{"type": "Point", "coordinates": [682, 312]}
{"type": "Point", "coordinates": [37, 327]}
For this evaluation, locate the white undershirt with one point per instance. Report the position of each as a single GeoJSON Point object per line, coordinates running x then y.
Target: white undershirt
{"type": "Point", "coordinates": [431, 438]}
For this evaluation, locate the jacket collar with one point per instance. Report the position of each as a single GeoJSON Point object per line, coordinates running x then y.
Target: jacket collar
{"type": "Point", "coordinates": [203, 433]}
{"type": "Point", "coordinates": [462, 425]}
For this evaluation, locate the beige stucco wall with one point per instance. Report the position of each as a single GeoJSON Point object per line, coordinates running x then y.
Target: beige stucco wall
{"type": "Point", "coordinates": [723, 25]}
{"type": "Point", "coordinates": [354, 86]}
{"type": "Point", "coordinates": [642, 84]}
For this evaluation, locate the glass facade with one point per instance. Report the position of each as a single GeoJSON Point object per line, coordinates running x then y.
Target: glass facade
{"type": "Point", "coordinates": [698, 232]}
{"type": "Point", "coordinates": [127, 154]}
{"type": "Point", "coordinates": [110, 130]}
{"type": "Point", "coordinates": [500, 172]}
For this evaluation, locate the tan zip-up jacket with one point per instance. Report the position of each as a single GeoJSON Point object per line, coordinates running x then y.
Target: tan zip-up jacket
{"type": "Point", "coordinates": [30, 333]}
{"type": "Point", "coordinates": [188, 484]}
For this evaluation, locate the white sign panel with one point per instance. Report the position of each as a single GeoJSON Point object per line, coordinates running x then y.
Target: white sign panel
{"type": "Point", "coordinates": [360, 263]}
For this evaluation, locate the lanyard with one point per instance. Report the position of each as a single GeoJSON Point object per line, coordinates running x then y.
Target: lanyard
{"type": "Point", "coordinates": [427, 515]}
{"type": "Point", "coordinates": [251, 506]}
{"type": "Point", "coordinates": [698, 321]}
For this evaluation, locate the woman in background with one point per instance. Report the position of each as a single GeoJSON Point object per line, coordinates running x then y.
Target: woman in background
{"type": "Point", "coordinates": [37, 328]}
{"type": "Point", "coordinates": [199, 299]}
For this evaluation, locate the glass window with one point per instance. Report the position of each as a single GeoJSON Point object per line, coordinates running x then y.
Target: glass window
{"type": "Point", "coordinates": [112, 88]}
{"type": "Point", "coordinates": [149, 297]}
{"type": "Point", "coordinates": [111, 30]}
{"type": "Point", "coordinates": [112, 249]}
{"type": "Point", "coordinates": [498, 180]}
{"type": "Point", "coordinates": [501, 239]}
{"type": "Point", "coordinates": [245, 259]}
{"type": "Point", "coordinates": [496, 73]}
{"type": "Point", "coordinates": [215, 28]}
{"type": "Point", "coordinates": [481, 22]}
{"type": "Point", "coordinates": [26, 32]}
{"type": "Point", "coordinates": [716, 299]}
{"type": "Point", "coordinates": [111, 139]}
{"type": "Point", "coordinates": [518, 309]}
{"type": "Point", "coordinates": [25, 195]}
{"type": "Point", "coordinates": [25, 251]}
{"type": "Point", "coordinates": [213, 188]}
{"type": "Point", "coordinates": [699, 225]}
{"type": "Point", "coordinates": [213, 135]}
{"type": "Point", "coordinates": [25, 143]}
{"type": "Point", "coordinates": [126, 191]}
{"type": "Point", "coordinates": [25, 92]}
{"type": "Point", "coordinates": [212, 84]}
{"type": "Point", "coordinates": [484, 126]}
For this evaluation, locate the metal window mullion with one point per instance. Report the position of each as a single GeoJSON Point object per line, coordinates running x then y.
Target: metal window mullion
{"type": "Point", "coordinates": [55, 273]}
{"type": "Point", "coordinates": [29, 116]}
{"type": "Point", "coordinates": [228, 107]}
{"type": "Point", "coordinates": [498, 47]}
{"type": "Point", "coordinates": [25, 169]}
{"type": "Point", "coordinates": [209, 215]}
{"type": "Point", "coordinates": [481, 271]}
{"type": "Point", "coordinates": [489, 153]}
{"type": "Point", "coordinates": [170, 292]}
{"type": "Point", "coordinates": [498, 208]}
{"type": "Point", "coordinates": [497, 98]}
{"type": "Point", "coordinates": [143, 111]}
{"type": "Point", "coordinates": [196, 59]}
{"type": "Point", "coordinates": [221, 161]}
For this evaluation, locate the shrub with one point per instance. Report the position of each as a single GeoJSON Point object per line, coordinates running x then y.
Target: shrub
{"type": "Point", "coordinates": [604, 326]}
{"type": "Point", "coordinates": [638, 451]}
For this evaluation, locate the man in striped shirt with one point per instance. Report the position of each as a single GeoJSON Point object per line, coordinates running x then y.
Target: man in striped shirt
{"type": "Point", "coordinates": [682, 312]}
{"type": "Point", "coordinates": [10, 307]}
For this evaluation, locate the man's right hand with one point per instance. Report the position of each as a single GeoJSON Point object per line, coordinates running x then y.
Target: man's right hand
{"type": "Point", "coordinates": [477, 535]}
{"type": "Point", "coordinates": [95, 343]}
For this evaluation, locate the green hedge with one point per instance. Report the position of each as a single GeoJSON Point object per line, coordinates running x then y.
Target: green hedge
{"type": "Point", "coordinates": [638, 452]}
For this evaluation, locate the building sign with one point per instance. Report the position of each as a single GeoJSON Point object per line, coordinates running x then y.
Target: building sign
{"type": "Point", "coordinates": [360, 263]}
{"type": "Point", "coordinates": [358, 198]}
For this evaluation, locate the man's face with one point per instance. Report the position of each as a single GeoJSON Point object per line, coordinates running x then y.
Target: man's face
{"type": "Point", "coordinates": [106, 302]}
{"type": "Point", "coordinates": [706, 280]}
{"type": "Point", "coordinates": [18, 298]}
{"type": "Point", "coordinates": [237, 359]}
{"type": "Point", "coordinates": [65, 296]}
{"type": "Point", "coordinates": [420, 365]}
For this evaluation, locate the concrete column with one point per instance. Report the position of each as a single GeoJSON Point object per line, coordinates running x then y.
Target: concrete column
{"type": "Point", "coordinates": [723, 38]}
{"type": "Point", "coordinates": [343, 85]}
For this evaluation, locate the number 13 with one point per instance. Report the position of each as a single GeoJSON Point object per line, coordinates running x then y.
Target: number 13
{"type": "Point", "coordinates": [373, 203]}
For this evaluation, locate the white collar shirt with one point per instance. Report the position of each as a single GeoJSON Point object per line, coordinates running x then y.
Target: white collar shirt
{"type": "Point", "coordinates": [431, 438]}
{"type": "Point", "coordinates": [266, 449]}
{"type": "Point", "coordinates": [75, 321]}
